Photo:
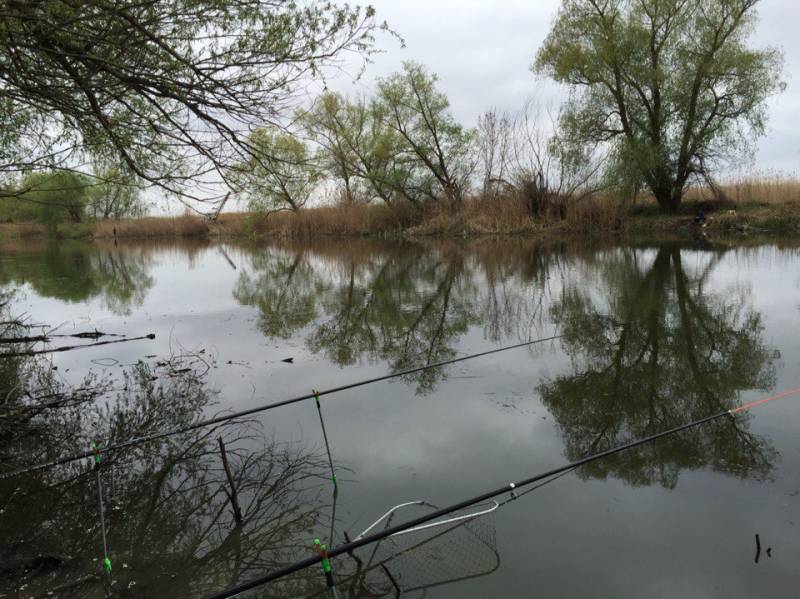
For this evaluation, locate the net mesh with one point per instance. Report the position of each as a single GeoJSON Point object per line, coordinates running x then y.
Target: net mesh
{"type": "Point", "coordinates": [426, 558]}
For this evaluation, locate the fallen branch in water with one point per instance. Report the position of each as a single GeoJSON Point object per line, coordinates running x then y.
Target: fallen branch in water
{"type": "Point", "coordinates": [48, 337]}
{"type": "Point", "coordinates": [71, 347]}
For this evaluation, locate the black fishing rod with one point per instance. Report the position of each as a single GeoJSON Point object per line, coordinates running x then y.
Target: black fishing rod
{"type": "Point", "coordinates": [106, 559]}
{"type": "Point", "coordinates": [509, 488]}
{"type": "Point", "coordinates": [256, 410]}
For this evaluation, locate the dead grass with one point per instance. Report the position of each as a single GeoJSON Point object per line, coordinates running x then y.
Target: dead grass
{"type": "Point", "coordinates": [744, 192]}
{"type": "Point", "coordinates": [152, 227]}
{"type": "Point", "coordinates": [764, 191]}
{"type": "Point", "coordinates": [21, 230]}
{"type": "Point", "coordinates": [320, 221]}
{"type": "Point", "coordinates": [757, 203]}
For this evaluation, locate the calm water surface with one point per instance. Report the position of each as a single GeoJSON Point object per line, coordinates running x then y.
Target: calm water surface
{"type": "Point", "coordinates": [654, 335]}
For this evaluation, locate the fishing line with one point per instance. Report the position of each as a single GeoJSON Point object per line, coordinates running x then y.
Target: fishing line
{"type": "Point", "coordinates": [325, 436]}
{"type": "Point", "coordinates": [258, 409]}
{"type": "Point", "coordinates": [509, 488]}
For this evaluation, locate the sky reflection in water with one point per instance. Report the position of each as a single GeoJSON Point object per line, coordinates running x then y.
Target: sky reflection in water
{"type": "Point", "coordinates": [654, 335]}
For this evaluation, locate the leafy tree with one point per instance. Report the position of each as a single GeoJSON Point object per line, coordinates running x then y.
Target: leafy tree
{"type": "Point", "coordinates": [670, 85]}
{"type": "Point", "coordinates": [335, 126]}
{"type": "Point", "coordinates": [437, 149]}
{"type": "Point", "coordinates": [115, 195]}
{"type": "Point", "coordinates": [401, 145]}
{"type": "Point", "coordinates": [358, 145]}
{"type": "Point", "coordinates": [54, 197]}
{"type": "Point", "coordinates": [280, 175]}
{"type": "Point", "coordinates": [168, 88]}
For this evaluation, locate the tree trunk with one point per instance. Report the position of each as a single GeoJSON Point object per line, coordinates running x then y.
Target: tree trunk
{"type": "Point", "coordinates": [348, 191]}
{"type": "Point", "coordinates": [668, 198]}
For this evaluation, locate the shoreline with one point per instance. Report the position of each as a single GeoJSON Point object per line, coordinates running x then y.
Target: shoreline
{"type": "Point", "coordinates": [380, 222]}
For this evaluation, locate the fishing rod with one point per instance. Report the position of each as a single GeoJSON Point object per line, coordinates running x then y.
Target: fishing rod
{"type": "Point", "coordinates": [263, 408]}
{"type": "Point", "coordinates": [509, 488]}
{"type": "Point", "coordinates": [325, 437]}
{"type": "Point", "coordinates": [333, 472]}
{"type": "Point", "coordinates": [106, 559]}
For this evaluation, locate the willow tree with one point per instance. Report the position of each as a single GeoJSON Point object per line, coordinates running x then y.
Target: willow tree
{"type": "Point", "coordinates": [435, 145]}
{"type": "Point", "coordinates": [280, 174]}
{"type": "Point", "coordinates": [670, 85]}
{"type": "Point", "coordinates": [329, 124]}
{"type": "Point", "coordinates": [169, 88]}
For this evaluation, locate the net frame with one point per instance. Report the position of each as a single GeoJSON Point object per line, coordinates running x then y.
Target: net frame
{"type": "Point", "coordinates": [458, 548]}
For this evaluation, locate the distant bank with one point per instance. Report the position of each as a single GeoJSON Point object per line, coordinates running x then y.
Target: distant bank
{"type": "Point", "coordinates": [591, 217]}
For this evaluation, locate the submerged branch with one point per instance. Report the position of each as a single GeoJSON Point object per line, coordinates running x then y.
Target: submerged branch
{"type": "Point", "coordinates": [71, 347]}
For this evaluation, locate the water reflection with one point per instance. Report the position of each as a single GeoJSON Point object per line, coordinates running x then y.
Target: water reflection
{"type": "Point", "coordinates": [77, 272]}
{"type": "Point", "coordinates": [171, 530]}
{"type": "Point", "coordinates": [653, 338]}
{"type": "Point", "coordinates": [406, 305]}
{"type": "Point", "coordinates": [651, 349]}
{"type": "Point", "coordinates": [284, 288]}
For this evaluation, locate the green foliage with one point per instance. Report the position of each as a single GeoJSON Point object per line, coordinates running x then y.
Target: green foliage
{"type": "Point", "coordinates": [403, 145]}
{"type": "Point", "coordinates": [336, 126]}
{"type": "Point", "coordinates": [438, 150]}
{"type": "Point", "coordinates": [670, 86]}
{"type": "Point", "coordinates": [49, 198]}
{"type": "Point", "coordinates": [280, 174]}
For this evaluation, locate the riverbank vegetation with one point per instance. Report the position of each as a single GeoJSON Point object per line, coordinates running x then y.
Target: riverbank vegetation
{"type": "Point", "coordinates": [663, 96]}
{"type": "Point", "coordinates": [745, 206]}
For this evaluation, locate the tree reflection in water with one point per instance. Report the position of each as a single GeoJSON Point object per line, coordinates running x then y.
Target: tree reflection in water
{"type": "Point", "coordinates": [171, 531]}
{"type": "Point", "coordinates": [651, 348]}
{"type": "Point", "coordinates": [79, 271]}
{"type": "Point", "coordinates": [406, 305]}
{"type": "Point", "coordinates": [283, 288]}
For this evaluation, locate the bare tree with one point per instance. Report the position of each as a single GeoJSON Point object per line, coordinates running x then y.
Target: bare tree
{"type": "Point", "coordinates": [495, 145]}
{"type": "Point", "coordinates": [523, 154]}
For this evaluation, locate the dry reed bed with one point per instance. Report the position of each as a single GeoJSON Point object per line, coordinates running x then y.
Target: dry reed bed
{"type": "Point", "coordinates": [757, 203]}
{"type": "Point", "coordinates": [21, 230]}
{"type": "Point", "coordinates": [151, 227]}
{"type": "Point", "coordinates": [761, 191]}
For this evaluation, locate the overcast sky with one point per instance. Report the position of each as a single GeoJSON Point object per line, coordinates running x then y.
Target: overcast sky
{"type": "Point", "coordinates": [482, 51]}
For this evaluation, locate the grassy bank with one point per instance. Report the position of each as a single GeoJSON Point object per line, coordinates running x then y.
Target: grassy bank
{"type": "Point", "coordinates": [747, 206]}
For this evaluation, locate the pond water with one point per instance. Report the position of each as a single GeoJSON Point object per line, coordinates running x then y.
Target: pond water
{"type": "Point", "coordinates": [652, 335]}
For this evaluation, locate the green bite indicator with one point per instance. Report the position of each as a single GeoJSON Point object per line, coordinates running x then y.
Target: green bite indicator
{"type": "Point", "coordinates": [97, 456]}
{"type": "Point", "coordinates": [323, 552]}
